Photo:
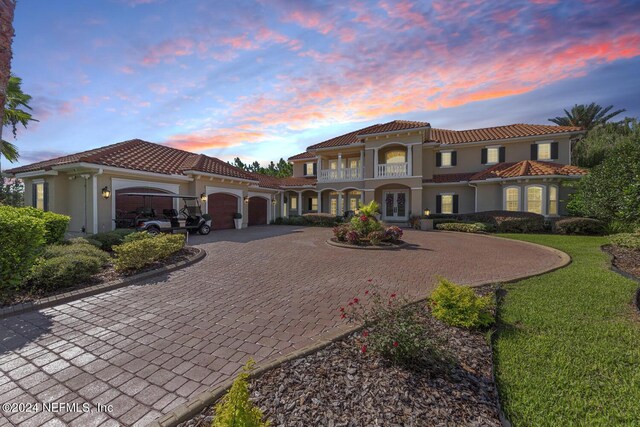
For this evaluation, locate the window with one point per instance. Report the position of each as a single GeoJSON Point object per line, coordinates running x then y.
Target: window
{"type": "Point", "coordinates": [553, 200]}
{"type": "Point", "coordinates": [446, 159]}
{"type": "Point", "coordinates": [294, 202]}
{"type": "Point", "coordinates": [512, 199]}
{"type": "Point", "coordinates": [309, 168]}
{"type": "Point", "coordinates": [493, 155]}
{"type": "Point", "coordinates": [396, 156]}
{"type": "Point", "coordinates": [39, 196]}
{"type": "Point", "coordinates": [534, 200]}
{"type": "Point", "coordinates": [354, 200]}
{"type": "Point", "coordinates": [354, 163]}
{"type": "Point", "coordinates": [333, 206]}
{"type": "Point", "coordinates": [544, 151]}
{"type": "Point", "coordinates": [447, 204]}
{"type": "Point", "coordinates": [313, 203]}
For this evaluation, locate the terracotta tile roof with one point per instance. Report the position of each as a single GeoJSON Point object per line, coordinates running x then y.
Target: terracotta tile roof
{"type": "Point", "coordinates": [144, 156]}
{"type": "Point", "coordinates": [352, 137]}
{"type": "Point", "coordinates": [278, 183]}
{"type": "Point", "coordinates": [296, 182]}
{"type": "Point", "coordinates": [305, 155]}
{"type": "Point", "coordinates": [527, 168]}
{"type": "Point", "coordinates": [450, 177]}
{"type": "Point", "coordinates": [446, 136]}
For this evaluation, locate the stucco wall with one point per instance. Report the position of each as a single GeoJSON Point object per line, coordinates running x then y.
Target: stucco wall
{"type": "Point", "coordinates": [466, 197]}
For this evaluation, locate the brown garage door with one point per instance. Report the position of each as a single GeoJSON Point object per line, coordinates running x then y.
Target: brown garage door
{"type": "Point", "coordinates": [257, 211]}
{"type": "Point", "coordinates": [221, 208]}
{"type": "Point", "coordinates": [133, 204]}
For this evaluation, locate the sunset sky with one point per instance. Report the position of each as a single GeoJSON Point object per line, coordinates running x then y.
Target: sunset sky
{"type": "Point", "coordinates": [264, 79]}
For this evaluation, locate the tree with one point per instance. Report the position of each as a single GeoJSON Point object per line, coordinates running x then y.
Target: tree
{"type": "Point", "coordinates": [592, 149]}
{"type": "Point", "coordinates": [611, 191]}
{"type": "Point", "coordinates": [15, 113]}
{"type": "Point", "coordinates": [12, 192]}
{"type": "Point", "coordinates": [7, 9]}
{"type": "Point", "coordinates": [281, 170]}
{"type": "Point", "coordinates": [586, 116]}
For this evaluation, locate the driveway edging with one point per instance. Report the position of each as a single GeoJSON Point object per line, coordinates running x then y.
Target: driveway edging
{"type": "Point", "coordinates": [97, 289]}
{"type": "Point", "coordinates": [188, 410]}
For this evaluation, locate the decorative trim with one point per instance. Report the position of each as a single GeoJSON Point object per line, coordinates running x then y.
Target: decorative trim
{"type": "Point", "coordinates": [239, 193]}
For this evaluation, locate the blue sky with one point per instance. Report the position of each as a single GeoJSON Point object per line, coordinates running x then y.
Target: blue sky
{"type": "Point", "coordinates": [264, 79]}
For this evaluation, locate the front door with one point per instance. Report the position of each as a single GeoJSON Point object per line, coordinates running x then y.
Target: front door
{"type": "Point", "coordinates": [395, 206]}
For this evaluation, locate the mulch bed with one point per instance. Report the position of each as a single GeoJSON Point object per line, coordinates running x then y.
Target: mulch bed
{"type": "Point", "coordinates": [106, 275]}
{"type": "Point", "coordinates": [341, 386]}
{"type": "Point", "coordinates": [627, 260]}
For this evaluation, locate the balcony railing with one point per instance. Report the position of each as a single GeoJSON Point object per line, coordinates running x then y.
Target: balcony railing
{"type": "Point", "coordinates": [392, 170]}
{"type": "Point", "coordinates": [346, 174]}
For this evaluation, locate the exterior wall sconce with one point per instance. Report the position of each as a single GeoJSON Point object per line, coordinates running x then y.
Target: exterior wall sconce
{"type": "Point", "coordinates": [203, 197]}
{"type": "Point", "coordinates": [106, 193]}
{"type": "Point", "coordinates": [274, 202]}
{"type": "Point", "coordinates": [246, 200]}
{"type": "Point", "coordinates": [427, 212]}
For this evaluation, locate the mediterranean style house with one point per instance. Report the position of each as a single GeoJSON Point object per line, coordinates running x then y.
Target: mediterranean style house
{"type": "Point", "coordinates": [407, 167]}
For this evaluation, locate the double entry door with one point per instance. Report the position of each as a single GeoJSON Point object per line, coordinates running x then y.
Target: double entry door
{"type": "Point", "coordinates": [394, 205]}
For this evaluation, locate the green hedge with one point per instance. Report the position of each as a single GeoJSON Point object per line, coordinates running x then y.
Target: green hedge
{"type": "Point", "coordinates": [55, 225]}
{"type": "Point", "coordinates": [460, 306]}
{"type": "Point", "coordinates": [63, 266]}
{"type": "Point", "coordinates": [583, 226]}
{"type": "Point", "coordinates": [109, 239]}
{"type": "Point", "coordinates": [137, 254]}
{"type": "Point", "coordinates": [21, 239]}
{"type": "Point", "coordinates": [476, 227]}
{"type": "Point", "coordinates": [508, 221]}
{"type": "Point", "coordinates": [626, 240]}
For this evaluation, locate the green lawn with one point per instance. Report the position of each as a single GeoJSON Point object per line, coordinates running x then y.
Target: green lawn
{"type": "Point", "coordinates": [568, 349]}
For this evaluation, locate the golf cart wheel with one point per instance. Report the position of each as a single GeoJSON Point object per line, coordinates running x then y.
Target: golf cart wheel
{"type": "Point", "coordinates": [204, 229]}
{"type": "Point", "coordinates": [153, 230]}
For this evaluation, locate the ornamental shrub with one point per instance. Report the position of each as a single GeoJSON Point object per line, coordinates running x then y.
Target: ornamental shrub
{"type": "Point", "coordinates": [508, 221]}
{"type": "Point", "coordinates": [626, 240]}
{"type": "Point", "coordinates": [137, 254]}
{"type": "Point", "coordinates": [459, 306]}
{"type": "Point", "coordinates": [377, 237]}
{"type": "Point", "coordinates": [370, 209]}
{"type": "Point", "coordinates": [476, 227]}
{"type": "Point", "coordinates": [321, 219]}
{"type": "Point", "coordinates": [109, 239]}
{"type": "Point", "coordinates": [584, 226]}
{"type": "Point", "coordinates": [340, 232]}
{"type": "Point", "coordinates": [352, 237]}
{"type": "Point", "coordinates": [364, 224]}
{"type": "Point", "coordinates": [138, 235]}
{"type": "Point", "coordinates": [84, 241]}
{"type": "Point", "coordinates": [393, 328]}
{"type": "Point", "coordinates": [235, 408]}
{"type": "Point", "coordinates": [21, 239]}
{"type": "Point", "coordinates": [55, 225]}
{"type": "Point", "coordinates": [393, 233]}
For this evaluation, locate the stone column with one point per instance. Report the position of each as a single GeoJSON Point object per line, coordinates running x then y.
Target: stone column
{"type": "Point", "coordinates": [340, 209]}
{"type": "Point", "coordinates": [361, 171]}
{"type": "Point", "coordinates": [282, 212]}
{"type": "Point", "coordinates": [375, 162]}
{"type": "Point", "coordinates": [299, 202]}
{"type": "Point", "coordinates": [410, 160]}
{"type": "Point", "coordinates": [319, 201]}
{"type": "Point", "coordinates": [339, 166]}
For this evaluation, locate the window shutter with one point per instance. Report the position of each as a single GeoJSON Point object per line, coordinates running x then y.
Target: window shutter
{"type": "Point", "coordinates": [554, 150]}
{"type": "Point", "coordinates": [438, 160]}
{"type": "Point", "coordinates": [438, 204]}
{"type": "Point", "coordinates": [34, 195]}
{"type": "Point", "coordinates": [534, 151]}
{"type": "Point", "coordinates": [454, 158]}
{"type": "Point", "coordinates": [304, 169]}
{"type": "Point", "coordinates": [315, 169]}
{"type": "Point", "coordinates": [310, 203]}
{"type": "Point", "coordinates": [503, 152]}
{"type": "Point", "coordinates": [45, 189]}
{"type": "Point", "coordinates": [483, 159]}
{"type": "Point", "coordinates": [455, 203]}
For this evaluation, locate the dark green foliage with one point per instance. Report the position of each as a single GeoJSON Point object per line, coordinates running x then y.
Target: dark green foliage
{"type": "Point", "coordinates": [611, 191]}
{"type": "Point", "coordinates": [55, 225]}
{"type": "Point", "coordinates": [322, 219]}
{"type": "Point", "coordinates": [583, 226]}
{"type": "Point", "coordinates": [586, 116]}
{"type": "Point", "coordinates": [475, 227]}
{"type": "Point", "coordinates": [11, 192]}
{"type": "Point", "coordinates": [591, 150]}
{"type": "Point", "coordinates": [282, 169]}
{"type": "Point", "coordinates": [113, 238]}
{"type": "Point", "coordinates": [626, 240]}
{"type": "Point", "coordinates": [21, 239]}
{"type": "Point", "coordinates": [507, 221]}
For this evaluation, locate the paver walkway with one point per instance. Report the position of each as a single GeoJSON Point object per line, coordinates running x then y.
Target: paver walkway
{"type": "Point", "coordinates": [260, 292]}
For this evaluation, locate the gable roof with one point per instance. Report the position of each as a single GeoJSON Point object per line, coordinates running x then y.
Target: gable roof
{"type": "Point", "coordinates": [302, 156]}
{"type": "Point", "coordinates": [140, 155]}
{"type": "Point", "coordinates": [445, 136]}
{"type": "Point", "coordinates": [352, 137]}
{"type": "Point", "coordinates": [526, 168]}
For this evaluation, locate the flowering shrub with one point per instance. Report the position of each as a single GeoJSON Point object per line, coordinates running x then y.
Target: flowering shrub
{"type": "Point", "coordinates": [393, 233]}
{"type": "Point", "coordinates": [377, 237]}
{"type": "Point", "coordinates": [370, 209]}
{"type": "Point", "coordinates": [364, 224]}
{"type": "Point", "coordinates": [392, 328]}
{"type": "Point", "coordinates": [460, 306]}
{"type": "Point", "coordinates": [352, 237]}
{"type": "Point", "coordinates": [340, 232]}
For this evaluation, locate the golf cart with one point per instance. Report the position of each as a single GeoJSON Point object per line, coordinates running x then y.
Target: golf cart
{"type": "Point", "coordinates": [145, 218]}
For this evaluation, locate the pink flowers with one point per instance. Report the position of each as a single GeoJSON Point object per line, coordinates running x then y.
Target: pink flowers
{"type": "Point", "coordinates": [363, 348]}
{"type": "Point", "coordinates": [364, 218]}
{"type": "Point", "coordinates": [356, 300]}
{"type": "Point", "coordinates": [365, 334]}
{"type": "Point", "coordinates": [366, 292]}
{"type": "Point", "coordinates": [395, 343]}
{"type": "Point", "coordinates": [393, 295]}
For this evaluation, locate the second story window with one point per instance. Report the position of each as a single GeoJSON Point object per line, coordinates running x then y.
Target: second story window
{"type": "Point", "coordinates": [493, 155]}
{"type": "Point", "coordinates": [544, 151]}
{"type": "Point", "coordinates": [396, 156]}
{"type": "Point", "coordinates": [309, 169]}
{"type": "Point", "coordinates": [446, 159]}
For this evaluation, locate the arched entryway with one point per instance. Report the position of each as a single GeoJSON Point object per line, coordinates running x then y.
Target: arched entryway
{"type": "Point", "coordinates": [127, 207]}
{"type": "Point", "coordinates": [258, 210]}
{"type": "Point", "coordinates": [222, 207]}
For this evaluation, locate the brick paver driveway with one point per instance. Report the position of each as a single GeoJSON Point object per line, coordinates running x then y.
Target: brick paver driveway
{"type": "Point", "coordinates": [260, 292]}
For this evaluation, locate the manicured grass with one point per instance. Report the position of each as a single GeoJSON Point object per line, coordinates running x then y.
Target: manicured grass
{"type": "Point", "coordinates": [568, 351]}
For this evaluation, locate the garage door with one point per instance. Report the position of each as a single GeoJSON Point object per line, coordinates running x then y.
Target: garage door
{"type": "Point", "coordinates": [133, 204]}
{"type": "Point", "coordinates": [221, 208]}
{"type": "Point", "coordinates": [257, 211]}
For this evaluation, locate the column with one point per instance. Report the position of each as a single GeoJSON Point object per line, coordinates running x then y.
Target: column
{"type": "Point", "coordinates": [339, 165]}
{"type": "Point", "coordinates": [283, 214]}
{"type": "Point", "coordinates": [319, 168]}
{"type": "Point", "coordinates": [409, 160]}
{"type": "Point", "coordinates": [375, 162]}
{"type": "Point", "coordinates": [299, 202]}
{"type": "Point", "coordinates": [340, 204]}
{"type": "Point", "coordinates": [319, 201]}
{"type": "Point", "coordinates": [361, 172]}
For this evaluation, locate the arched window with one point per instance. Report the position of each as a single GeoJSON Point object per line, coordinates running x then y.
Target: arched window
{"type": "Point", "coordinates": [553, 200]}
{"type": "Point", "coordinates": [396, 156]}
{"type": "Point", "coordinates": [535, 199]}
{"type": "Point", "coordinates": [512, 199]}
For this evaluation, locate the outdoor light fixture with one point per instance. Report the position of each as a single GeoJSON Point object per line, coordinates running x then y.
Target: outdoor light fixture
{"type": "Point", "coordinates": [427, 212]}
{"type": "Point", "coordinates": [246, 199]}
{"type": "Point", "coordinates": [274, 202]}
{"type": "Point", "coordinates": [203, 197]}
{"type": "Point", "coordinates": [106, 193]}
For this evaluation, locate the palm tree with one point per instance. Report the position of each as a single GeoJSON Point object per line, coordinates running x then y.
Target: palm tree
{"type": "Point", "coordinates": [15, 113]}
{"type": "Point", "coordinates": [586, 116]}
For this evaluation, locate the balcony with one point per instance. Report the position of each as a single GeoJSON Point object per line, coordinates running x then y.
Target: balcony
{"type": "Point", "coordinates": [346, 174]}
{"type": "Point", "coordinates": [393, 170]}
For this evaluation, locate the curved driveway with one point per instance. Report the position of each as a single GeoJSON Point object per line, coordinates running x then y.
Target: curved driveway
{"type": "Point", "coordinates": [260, 292]}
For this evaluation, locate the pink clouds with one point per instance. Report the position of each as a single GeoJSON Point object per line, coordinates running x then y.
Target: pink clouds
{"type": "Point", "coordinates": [218, 138]}
{"type": "Point", "coordinates": [168, 51]}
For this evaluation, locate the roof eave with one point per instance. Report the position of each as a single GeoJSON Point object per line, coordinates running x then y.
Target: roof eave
{"type": "Point", "coordinates": [393, 131]}
{"type": "Point", "coordinates": [516, 178]}
{"type": "Point", "coordinates": [514, 139]}
{"type": "Point", "coordinates": [97, 167]}
{"type": "Point", "coordinates": [215, 175]}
